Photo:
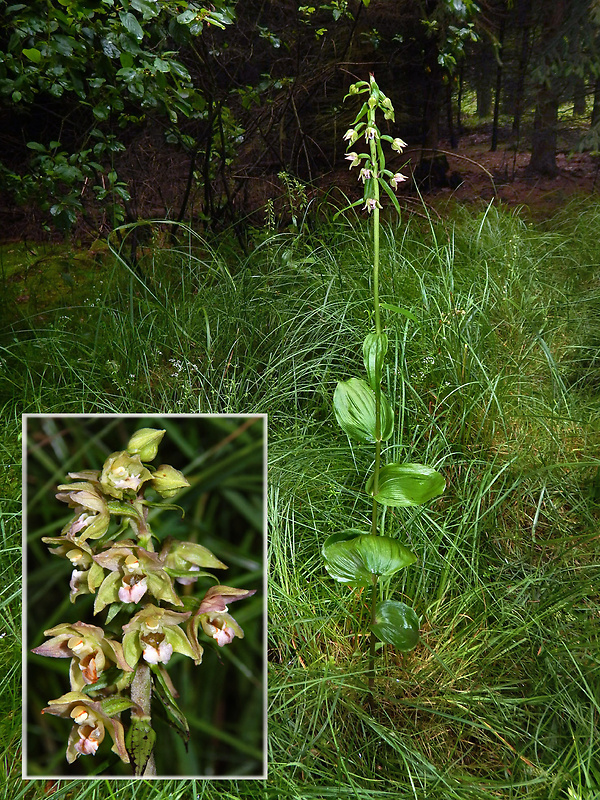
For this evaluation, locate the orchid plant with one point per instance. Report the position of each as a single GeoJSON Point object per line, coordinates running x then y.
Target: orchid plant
{"type": "Point", "coordinates": [354, 556]}
{"type": "Point", "coordinates": [118, 664]}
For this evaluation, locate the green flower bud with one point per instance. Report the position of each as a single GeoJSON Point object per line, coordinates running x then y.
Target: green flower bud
{"type": "Point", "coordinates": [144, 443]}
{"type": "Point", "coordinates": [167, 481]}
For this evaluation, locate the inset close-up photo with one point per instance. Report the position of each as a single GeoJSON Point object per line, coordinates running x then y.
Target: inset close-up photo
{"type": "Point", "coordinates": [141, 533]}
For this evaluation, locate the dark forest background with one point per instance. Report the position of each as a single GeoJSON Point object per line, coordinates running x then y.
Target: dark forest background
{"type": "Point", "coordinates": [113, 112]}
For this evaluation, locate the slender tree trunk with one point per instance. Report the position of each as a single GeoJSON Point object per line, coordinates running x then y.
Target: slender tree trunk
{"type": "Point", "coordinates": [524, 19]}
{"type": "Point", "coordinates": [450, 115]}
{"type": "Point", "coordinates": [494, 145]}
{"type": "Point", "coordinates": [579, 97]}
{"type": "Point", "coordinates": [434, 93]}
{"type": "Point", "coordinates": [461, 83]}
{"type": "Point", "coordinates": [544, 137]}
{"type": "Point", "coordinates": [484, 64]}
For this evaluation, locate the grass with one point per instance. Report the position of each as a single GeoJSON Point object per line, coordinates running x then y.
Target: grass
{"type": "Point", "coordinates": [497, 387]}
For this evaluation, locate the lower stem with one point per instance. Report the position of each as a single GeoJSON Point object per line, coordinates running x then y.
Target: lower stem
{"type": "Point", "coordinates": [371, 670]}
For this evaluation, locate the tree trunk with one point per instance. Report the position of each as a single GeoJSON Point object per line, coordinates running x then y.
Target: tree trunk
{"type": "Point", "coordinates": [579, 97]}
{"type": "Point", "coordinates": [484, 66]}
{"type": "Point", "coordinates": [450, 116]}
{"type": "Point", "coordinates": [524, 20]}
{"type": "Point", "coordinates": [543, 139]}
{"type": "Point", "coordinates": [434, 89]}
{"type": "Point", "coordinates": [494, 145]}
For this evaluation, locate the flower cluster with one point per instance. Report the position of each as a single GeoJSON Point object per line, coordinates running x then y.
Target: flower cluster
{"type": "Point", "coordinates": [373, 173]}
{"type": "Point", "coordinates": [110, 545]}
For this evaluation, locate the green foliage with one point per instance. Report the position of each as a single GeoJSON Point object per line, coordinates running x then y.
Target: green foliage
{"type": "Point", "coordinates": [360, 559]}
{"type": "Point", "coordinates": [136, 71]}
{"type": "Point", "coordinates": [396, 624]}
{"type": "Point", "coordinates": [406, 485]}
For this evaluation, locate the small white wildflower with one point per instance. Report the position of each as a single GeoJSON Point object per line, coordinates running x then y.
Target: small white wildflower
{"type": "Point", "coordinates": [371, 204]}
{"type": "Point", "coordinates": [365, 175]}
{"type": "Point", "coordinates": [399, 144]}
{"type": "Point", "coordinates": [370, 133]}
{"type": "Point", "coordinates": [396, 179]}
{"type": "Point", "coordinates": [353, 158]}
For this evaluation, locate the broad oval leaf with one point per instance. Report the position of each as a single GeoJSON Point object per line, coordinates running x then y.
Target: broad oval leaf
{"type": "Point", "coordinates": [361, 558]}
{"type": "Point", "coordinates": [406, 485]}
{"type": "Point", "coordinates": [354, 407]}
{"type": "Point", "coordinates": [396, 624]}
{"type": "Point", "coordinates": [33, 54]}
{"type": "Point", "coordinates": [131, 24]}
{"type": "Point", "coordinates": [375, 347]}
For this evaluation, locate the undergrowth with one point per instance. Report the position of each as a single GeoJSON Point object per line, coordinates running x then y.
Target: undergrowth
{"type": "Point", "coordinates": [497, 386]}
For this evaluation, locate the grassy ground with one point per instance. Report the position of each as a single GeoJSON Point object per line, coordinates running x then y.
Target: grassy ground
{"type": "Point", "coordinates": [497, 386]}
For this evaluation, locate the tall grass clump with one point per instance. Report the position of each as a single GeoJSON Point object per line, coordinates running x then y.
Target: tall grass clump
{"type": "Point", "coordinates": [500, 697]}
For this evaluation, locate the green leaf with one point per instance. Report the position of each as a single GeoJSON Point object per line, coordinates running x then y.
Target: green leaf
{"type": "Point", "coordinates": [354, 407]}
{"type": "Point", "coordinates": [131, 24]}
{"type": "Point", "coordinates": [360, 558]}
{"type": "Point", "coordinates": [101, 111]}
{"type": "Point", "coordinates": [406, 485]}
{"type": "Point", "coordinates": [126, 60]}
{"type": "Point", "coordinates": [396, 624]}
{"type": "Point", "coordinates": [115, 704]}
{"type": "Point", "coordinates": [392, 196]}
{"type": "Point", "coordinates": [33, 54]}
{"type": "Point", "coordinates": [398, 310]}
{"type": "Point", "coordinates": [140, 743]}
{"type": "Point", "coordinates": [375, 347]}
{"type": "Point", "coordinates": [148, 8]}
{"type": "Point", "coordinates": [122, 509]}
{"type": "Point", "coordinates": [174, 713]}
{"type": "Point", "coordinates": [109, 48]}
{"type": "Point", "coordinates": [39, 148]}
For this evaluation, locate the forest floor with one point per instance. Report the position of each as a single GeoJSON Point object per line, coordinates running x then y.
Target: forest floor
{"type": "Point", "coordinates": [503, 175]}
